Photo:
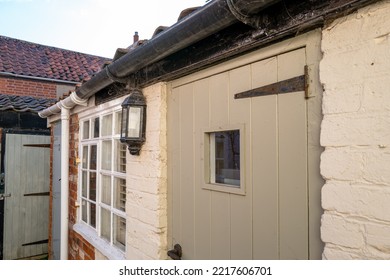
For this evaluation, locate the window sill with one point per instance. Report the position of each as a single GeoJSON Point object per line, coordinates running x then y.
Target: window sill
{"type": "Point", "coordinates": [100, 244]}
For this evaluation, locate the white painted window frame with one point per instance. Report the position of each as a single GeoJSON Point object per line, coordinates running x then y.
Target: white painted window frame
{"type": "Point", "coordinates": [207, 162]}
{"type": "Point", "coordinates": [91, 234]}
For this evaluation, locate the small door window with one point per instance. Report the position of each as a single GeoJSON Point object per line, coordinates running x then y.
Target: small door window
{"type": "Point", "coordinates": [223, 159]}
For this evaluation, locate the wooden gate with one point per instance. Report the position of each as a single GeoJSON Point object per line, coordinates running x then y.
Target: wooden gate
{"type": "Point", "coordinates": [26, 171]}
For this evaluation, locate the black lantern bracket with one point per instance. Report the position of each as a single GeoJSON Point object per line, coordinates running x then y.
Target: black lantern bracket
{"type": "Point", "coordinates": [133, 123]}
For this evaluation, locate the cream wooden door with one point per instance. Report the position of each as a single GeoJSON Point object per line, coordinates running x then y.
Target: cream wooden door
{"type": "Point", "coordinates": [269, 219]}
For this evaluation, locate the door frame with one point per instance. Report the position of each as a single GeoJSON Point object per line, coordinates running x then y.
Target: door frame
{"type": "Point", "coordinates": [311, 41]}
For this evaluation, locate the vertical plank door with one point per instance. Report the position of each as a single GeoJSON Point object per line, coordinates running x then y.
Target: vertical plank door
{"type": "Point", "coordinates": [26, 217]}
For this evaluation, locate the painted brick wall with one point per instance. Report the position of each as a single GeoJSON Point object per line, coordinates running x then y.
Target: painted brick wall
{"type": "Point", "coordinates": [355, 131]}
{"type": "Point", "coordinates": [146, 204]}
{"type": "Point", "coordinates": [26, 87]}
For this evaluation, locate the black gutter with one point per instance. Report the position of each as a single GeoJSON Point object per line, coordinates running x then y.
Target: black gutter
{"type": "Point", "coordinates": [211, 18]}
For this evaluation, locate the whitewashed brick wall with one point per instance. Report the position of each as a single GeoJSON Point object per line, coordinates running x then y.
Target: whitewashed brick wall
{"type": "Point", "coordinates": [355, 72]}
{"type": "Point", "coordinates": [147, 184]}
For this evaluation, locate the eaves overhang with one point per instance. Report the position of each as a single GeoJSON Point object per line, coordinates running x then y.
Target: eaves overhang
{"type": "Point", "coordinates": [209, 19]}
{"type": "Point", "coordinates": [218, 31]}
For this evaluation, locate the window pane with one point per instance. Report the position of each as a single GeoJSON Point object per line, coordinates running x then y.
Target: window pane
{"type": "Point", "coordinates": [106, 155]}
{"type": "Point", "coordinates": [84, 184]}
{"type": "Point", "coordinates": [105, 223]}
{"type": "Point", "coordinates": [86, 130]}
{"type": "Point", "coordinates": [120, 194]}
{"type": "Point", "coordinates": [118, 119]}
{"type": "Point", "coordinates": [85, 157]}
{"type": "Point", "coordinates": [92, 186]}
{"type": "Point", "coordinates": [106, 189]}
{"type": "Point", "coordinates": [93, 157]}
{"type": "Point", "coordinates": [134, 126]}
{"type": "Point", "coordinates": [84, 215]}
{"type": "Point", "coordinates": [119, 232]}
{"type": "Point", "coordinates": [120, 156]}
{"type": "Point", "coordinates": [124, 122]}
{"type": "Point", "coordinates": [95, 127]}
{"type": "Point", "coordinates": [107, 125]}
{"type": "Point", "coordinates": [225, 157]}
{"type": "Point", "coordinates": [92, 214]}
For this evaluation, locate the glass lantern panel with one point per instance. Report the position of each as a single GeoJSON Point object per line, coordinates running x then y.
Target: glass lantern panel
{"type": "Point", "coordinates": [124, 123]}
{"type": "Point", "coordinates": [134, 125]}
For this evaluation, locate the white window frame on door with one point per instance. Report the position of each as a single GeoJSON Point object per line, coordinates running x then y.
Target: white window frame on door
{"type": "Point", "coordinates": [209, 154]}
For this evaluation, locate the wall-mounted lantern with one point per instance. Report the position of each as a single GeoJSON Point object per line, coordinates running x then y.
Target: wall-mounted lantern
{"type": "Point", "coordinates": [133, 123]}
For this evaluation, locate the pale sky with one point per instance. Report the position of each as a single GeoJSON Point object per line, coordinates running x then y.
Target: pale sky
{"type": "Point", "coordinates": [95, 27]}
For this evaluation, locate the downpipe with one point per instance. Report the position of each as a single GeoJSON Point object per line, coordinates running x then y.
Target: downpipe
{"type": "Point", "coordinates": [64, 225]}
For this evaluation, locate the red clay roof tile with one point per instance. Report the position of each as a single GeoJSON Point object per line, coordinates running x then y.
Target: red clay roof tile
{"type": "Point", "coordinates": [30, 59]}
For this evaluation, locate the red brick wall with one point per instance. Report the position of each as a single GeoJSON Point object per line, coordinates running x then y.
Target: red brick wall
{"type": "Point", "coordinates": [73, 169]}
{"type": "Point", "coordinates": [35, 88]}
{"type": "Point", "coordinates": [79, 248]}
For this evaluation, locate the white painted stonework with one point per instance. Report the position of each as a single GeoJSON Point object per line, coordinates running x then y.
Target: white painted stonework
{"type": "Point", "coordinates": [146, 204]}
{"type": "Point", "coordinates": [355, 73]}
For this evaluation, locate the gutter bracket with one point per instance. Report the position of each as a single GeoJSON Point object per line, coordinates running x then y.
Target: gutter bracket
{"type": "Point", "coordinates": [253, 21]}
{"type": "Point", "coordinates": [112, 77]}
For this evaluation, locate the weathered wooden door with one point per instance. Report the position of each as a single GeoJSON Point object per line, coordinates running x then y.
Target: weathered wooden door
{"type": "Point", "coordinates": [258, 208]}
{"type": "Point", "coordinates": [26, 209]}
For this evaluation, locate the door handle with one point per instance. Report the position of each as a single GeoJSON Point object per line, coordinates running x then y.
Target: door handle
{"type": "Point", "coordinates": [176, 253]}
